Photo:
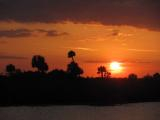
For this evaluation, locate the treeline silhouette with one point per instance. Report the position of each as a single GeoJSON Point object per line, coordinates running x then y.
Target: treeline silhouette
{"type": "Point", "coordinates": [59, 87]}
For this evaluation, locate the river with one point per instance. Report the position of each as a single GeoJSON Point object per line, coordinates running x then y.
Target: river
{"type": "Point", "coordinates": [135, 111]}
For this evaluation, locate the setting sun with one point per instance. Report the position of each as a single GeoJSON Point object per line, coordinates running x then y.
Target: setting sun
{"type": "Point", "coordinates": [115, 67]}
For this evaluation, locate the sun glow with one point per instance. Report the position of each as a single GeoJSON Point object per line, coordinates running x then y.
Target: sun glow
{"type": "Point", "coordinates": [115, 67]}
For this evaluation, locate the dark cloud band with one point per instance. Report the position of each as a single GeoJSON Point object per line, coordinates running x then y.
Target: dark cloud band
{"type": "Point", "coordinates": [139, 13]}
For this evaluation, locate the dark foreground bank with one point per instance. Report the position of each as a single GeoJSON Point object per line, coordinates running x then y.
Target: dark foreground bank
{"type": "Point", "coordinates": [37, 89]}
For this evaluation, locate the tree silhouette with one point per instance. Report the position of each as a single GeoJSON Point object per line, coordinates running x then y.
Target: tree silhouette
{"type": "Point", "coordinates": [132, 76]}
{"type": "Point", "coordinates": [107, 74]}
{"type": "Point", "coordinates": [74, 69]}
{"type": "Point", "coordinates": [39, 63]}
{"type": "Point", "coordinates": [102, 70]}
{"type": "Point", "coordinates": [10, 69]}
{"type": "Point", "coordinates": [71, 54]}
{"type": "Point", "coordinates": [18, 71]}
{"type": "Point", "coordinates": [156, 76]}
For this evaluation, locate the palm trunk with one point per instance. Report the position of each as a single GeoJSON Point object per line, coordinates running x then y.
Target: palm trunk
{"type": "Point", "coordinates": [72, 59]}
{"type": "Point", "coordinates": [102, 74]}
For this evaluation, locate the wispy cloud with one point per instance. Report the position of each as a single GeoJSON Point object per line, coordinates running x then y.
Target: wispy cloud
{"type": "Point", "coordinates": [12, 57]}
{"type": "Point", "coordinates": [86, 49]}
{"type": "Point", "coordinates": [95, 39]}
{"type": "Point", "coordinates": [51, 33]}
{"type": "Point", "coordinates": [142, 50]}
{"type": "Point", "coordinates": [96, 61]}
{"type": "Point", "coordinates": [81, 48]}
{"type": "Point", "coordinates": [136, 61]}
{"type": "Point", "coordinates": [116, 32]}
{"type": "Point", "coordinates": [17, 33]}
{"type": "Point", "coordinates": [3, 42]}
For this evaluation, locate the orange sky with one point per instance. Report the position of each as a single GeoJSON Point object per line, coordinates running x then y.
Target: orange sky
{"type": "Point", "coordinates": [95, 44]}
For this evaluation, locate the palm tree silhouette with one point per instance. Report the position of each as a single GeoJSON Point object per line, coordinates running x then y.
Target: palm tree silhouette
{"type": "Point", "coordinates": [10, 69]}
{"type": "Point", "coordinates": [39, 63]}
{"type": "Point", "coordinates": [71, 54]}
{"type": "Point", "coordinates": [73, 68]}
{"type": "Point", "coordinates": [102, 70]}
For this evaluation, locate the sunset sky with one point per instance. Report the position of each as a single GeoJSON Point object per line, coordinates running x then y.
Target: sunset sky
{"type": "Point", "coordinates": [99, 31]}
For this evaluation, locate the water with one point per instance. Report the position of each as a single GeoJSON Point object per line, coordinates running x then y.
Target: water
{"type": "Point", "coordinates": [137, 111]}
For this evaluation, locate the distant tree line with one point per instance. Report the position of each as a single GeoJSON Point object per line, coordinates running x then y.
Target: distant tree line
{"type": "Point", "coordinates": [73, 69]}
{"type": "Point", "coordinates": [43, 87]}
{"type": "Point", "coordinates": [39, 62]}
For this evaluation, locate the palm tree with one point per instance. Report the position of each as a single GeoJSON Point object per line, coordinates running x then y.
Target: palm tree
{"type": "Point", "coordinates": [71, 54]}
{"type": "Point", "coordinates": [10, 69]}
{"type": "Point", "coordinates": [102, 70]}
{"type": "Point", "coordinates": [39, 63]}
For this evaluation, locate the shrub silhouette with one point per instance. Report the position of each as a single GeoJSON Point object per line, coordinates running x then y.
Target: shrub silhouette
{"type": "Point", "coordinates": [156, 76]}
{"type": "Point", "coordinates": [147, 77]}
{"type": "Point", "coordinates": [71, 54]}
{"type": "Point", "coordinates": [58, 74]}
{"type": "Point", "coordinates": [74, 69]}
{"type": "Point", "coordinates": [132, 76]}
{"type": "Point", "coordinates": [10, 69]}
{"type": "Point", "coordinates": [39, 63]}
